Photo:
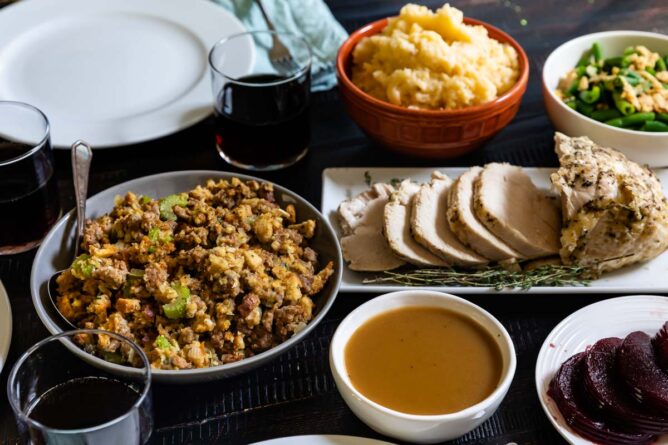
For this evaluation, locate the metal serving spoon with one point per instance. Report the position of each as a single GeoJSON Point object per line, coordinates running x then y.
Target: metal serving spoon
{"type": "Point", "coordinates": [82, 155]}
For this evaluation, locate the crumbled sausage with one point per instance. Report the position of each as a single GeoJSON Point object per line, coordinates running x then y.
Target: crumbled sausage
{"type": "Point", "coordinates": [249, 302]}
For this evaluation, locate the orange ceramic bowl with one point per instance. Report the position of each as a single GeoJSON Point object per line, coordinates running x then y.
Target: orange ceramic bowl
{"type": "Point", "coordinates": [428, 133]}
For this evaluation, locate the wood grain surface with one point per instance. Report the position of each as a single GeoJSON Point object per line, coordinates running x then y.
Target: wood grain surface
{"type": "Point", "coordinates": [296, 393]}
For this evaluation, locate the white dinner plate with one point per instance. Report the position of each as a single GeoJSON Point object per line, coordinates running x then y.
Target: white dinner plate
{"type": "Point", "coordinates": [339, 184]}
{"type": "Point", "coordinates": [113, 72]}
{"type": "Point", "coordinates": [320, 439]}
{"type": "Point", "coordinates": [5, 325]}
{"type": "Point", "coordinates": [616, 317]}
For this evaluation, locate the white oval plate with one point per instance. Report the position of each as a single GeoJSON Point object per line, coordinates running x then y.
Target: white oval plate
{"type": "Point", "coordinates": [616, 317]}
{"type": "Point", "coordinates": [5, 325]}
{"type": "Point", "coordinates": [113, 72]}
{"type": "Point", "coordinates": [323, 440]}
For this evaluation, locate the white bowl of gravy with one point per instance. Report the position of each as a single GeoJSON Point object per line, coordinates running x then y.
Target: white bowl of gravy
{"type": "Point", "coordinates": [422, 366]}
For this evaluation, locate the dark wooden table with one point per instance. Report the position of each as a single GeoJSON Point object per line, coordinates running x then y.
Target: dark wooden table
{"type": "Point", "coordinates": [296, 393]}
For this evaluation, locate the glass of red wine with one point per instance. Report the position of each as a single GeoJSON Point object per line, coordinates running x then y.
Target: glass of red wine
{"type": "Point", "coordinates": [57, 398]}
{"type": "Point", "coordinates": [29, 203]}
{"type": "Point", "coordinates": [261, 103]}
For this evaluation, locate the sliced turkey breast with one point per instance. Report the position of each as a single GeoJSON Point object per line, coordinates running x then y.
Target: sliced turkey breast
{"type": "Point", "coordinates": [430, 228]}
{"type": "Point", "coordinates": [351, 211]}
{"type": "Point", "coordinates": [615, 212]}
{"type": "Point", "coordinates": [515, 210]}
{"type": "Point", "coordinates": [466, 226]}
{"type": "Point", "coordinates": [361, 219]}
{"type": "Point", "coordinates": [397, 228]}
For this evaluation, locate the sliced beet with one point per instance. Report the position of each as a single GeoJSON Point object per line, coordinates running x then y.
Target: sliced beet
{"type": "Point", "coordinates": [565, 389]}
{"type": "Point", "coordinates": [638, 368]}
{"type": "Point", "coordinates": [661, 347]}
{"type": "Point", "coordinates": [604, 390]}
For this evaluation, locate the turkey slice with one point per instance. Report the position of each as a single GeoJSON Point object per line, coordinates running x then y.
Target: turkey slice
{"type": "Point", "coordinates": [515, 210]}
{"type": "Point", "coordinates": [397, 228]}
{"type": "Point", "coordinates": [465, 224]}
{"type": "Point", "coordinates": [361, 219]}
{"type": "Point", "coordinates": [430, 228]}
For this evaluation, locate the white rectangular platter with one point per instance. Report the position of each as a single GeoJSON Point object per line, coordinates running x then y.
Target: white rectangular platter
{"type": "Point", "coordinates": [339, 184]}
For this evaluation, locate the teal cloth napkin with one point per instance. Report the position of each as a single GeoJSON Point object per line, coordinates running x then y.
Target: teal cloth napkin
{"type": "Point", "coordinates": [311, 19]}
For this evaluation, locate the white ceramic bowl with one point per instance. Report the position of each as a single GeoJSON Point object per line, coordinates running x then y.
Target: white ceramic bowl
{"type": "Point", "coordinates": [410, 427]}
{"type": "Point", "coordinates": [643, 147]}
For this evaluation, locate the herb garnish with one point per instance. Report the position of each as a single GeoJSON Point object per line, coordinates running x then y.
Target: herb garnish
{"type": "Point", "coordinates": [367, 178]}
{"type": "Point", "coordinates": [495, 277]}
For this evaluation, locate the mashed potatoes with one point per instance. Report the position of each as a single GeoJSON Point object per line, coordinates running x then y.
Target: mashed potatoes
{"type": "Point", "coordinates": [432, 60]}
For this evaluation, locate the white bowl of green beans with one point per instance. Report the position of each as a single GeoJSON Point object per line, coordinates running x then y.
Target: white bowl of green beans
{"type": "Point", "coordinates": [602, 106]}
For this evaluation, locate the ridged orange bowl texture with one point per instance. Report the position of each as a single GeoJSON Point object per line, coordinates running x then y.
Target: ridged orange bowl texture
{"type": "Point", "coordinates": [428, 133]}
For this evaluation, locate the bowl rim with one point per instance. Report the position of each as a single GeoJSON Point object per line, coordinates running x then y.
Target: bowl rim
{"type": "Point", "coordinates": [338, 368]}
{"type": "Point", "coordinates": [237, 367]}
{"type": "Point", "coordinates": [353, 40]}
{"type": "Point", "coordinates": [562, 106]}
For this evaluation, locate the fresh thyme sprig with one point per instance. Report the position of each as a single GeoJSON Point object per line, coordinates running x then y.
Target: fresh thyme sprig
{"type": "Point", "coordinates": [495, 277]}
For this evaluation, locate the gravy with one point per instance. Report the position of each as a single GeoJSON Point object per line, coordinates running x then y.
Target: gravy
{"type": "Point", "coordinates": [423, 360]}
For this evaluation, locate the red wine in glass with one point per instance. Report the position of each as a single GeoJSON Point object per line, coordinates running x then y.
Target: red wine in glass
{"type": "Point", "coordinates": [262, 121]}
{"type": "Point", "coordinates": [29, 203]}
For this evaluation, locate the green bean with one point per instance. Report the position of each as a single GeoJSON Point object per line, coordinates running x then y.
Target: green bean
{"type": "Point", "coordinates": [622, 105]}
{"type": "Point", "coordinates": [570, 102]}
{"type": "Point", "coordinates": [637, 118]}
{"type": "Point", "coordinates": [631, 120]}
{"type": "Point", "coordinates": [654, 126]}
{"type": "Point", "coordinates": [660, 64]}
{"type": "Point", "coordinates": [609, 85]}
{"type": "Point", "coordinates": [619, 61]}
{"type": "Point", "coordinates": [618, 82]}
{"type": "Point", "coordinates": [590, 96]}
{"type": "Point", "coordinates": [581, 70]}
{"type": "Point", "coordinates": [584, 60]}
{"type": "Point", "coordinates": [665, 60]}
{"type": "Point", "coordinates": [662, 117]}
{"type": "Point", "coordinates": [630, 73]}
{"type": "Point", "coordinates": [605, 115]}
{"type": "Point", "coordinates": [629, 50]}
{"type": "Point", "coordinates": [650, 70]}
{"type": "Point", "coordinates": [573, 88]}
{"type": "Point", "coordinates": [596, 52]}
{"type": "Point", "coordinates": [584, 108]}
{"type": "Point", "coordinates": [613, 61]}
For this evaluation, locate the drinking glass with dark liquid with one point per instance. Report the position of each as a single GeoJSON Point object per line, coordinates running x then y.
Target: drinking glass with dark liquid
{"type": "Point", "coordinates": [29, 203]}
{"type": "Point", "coordinates": [75, 403]}
{"type": "Point", "coordinates": [262, 107]}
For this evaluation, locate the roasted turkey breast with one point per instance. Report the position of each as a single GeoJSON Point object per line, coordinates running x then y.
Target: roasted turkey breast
{"type": "Point", "coordinates": [614, 210]}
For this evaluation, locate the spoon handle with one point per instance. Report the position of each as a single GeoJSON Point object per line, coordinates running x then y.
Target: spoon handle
{"type": "Point", "coordinates": [82, 155]}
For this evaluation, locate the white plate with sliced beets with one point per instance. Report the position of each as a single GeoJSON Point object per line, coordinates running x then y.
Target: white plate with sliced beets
{"type": "Point", "coordinates": [604, 368]}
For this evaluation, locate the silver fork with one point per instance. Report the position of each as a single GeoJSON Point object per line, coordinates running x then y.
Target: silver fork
{"type": "Point", "coordinates": [279, 54]}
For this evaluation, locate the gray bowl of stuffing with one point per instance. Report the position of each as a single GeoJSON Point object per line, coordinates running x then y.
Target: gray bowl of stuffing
{"type": "Point", "coordinates": [211, 275]}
